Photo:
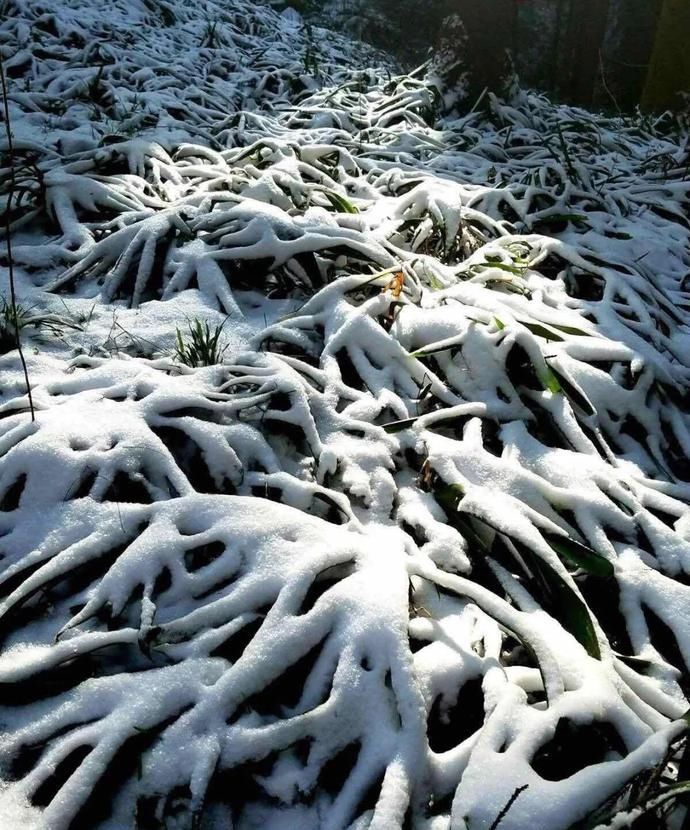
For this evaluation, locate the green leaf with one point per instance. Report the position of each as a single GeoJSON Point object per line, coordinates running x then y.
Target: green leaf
{"type": "Point", "coordinates": [440, 418]}
{"type": "Point", "coordinates": [542, 331]}
{"type": "Point", "coordinates": [621, 506]}
{"type": "Point", "coordinates": [502, 266]}
{"type": "Point", "coordinates": [548, 379]}
{"type": "Point", "coordinates": [565, 217]}
{"type": "Point", "coordinates": [399, 426]}
{"type": "Point", "coordinates": [640, 665]}
{"type": "Point", "coordinates": [564, 604]}
{"type": "Point", "coordinates": [580, 555]}
{"type": "Point", "coordinates": [448, 496]}
{"type": "Point", "coordinates": [570, 330]}
{"type": "Point", "coordinates": [500, 325]}
{"type": "Point", "coordinates": [441, 346]}
{"type": "Point", "coordinates": [573, 393]}
{"type": "Point", "coordinates": [250, 151]}
{"type": "Point", "coordinates": [340, 203]}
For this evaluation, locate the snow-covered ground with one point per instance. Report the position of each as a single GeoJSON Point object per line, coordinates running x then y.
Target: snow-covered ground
{"type": "Point", "coordinates": [417, 553]}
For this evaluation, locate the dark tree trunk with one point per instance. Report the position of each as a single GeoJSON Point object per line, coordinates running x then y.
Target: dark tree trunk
{"type": "Point", "coordinates": [627, 52]}
{"type": "Point", "coordinates": [579, 47]}
{"type": "Point", "coordinates": [669, 69]}
{"type": "Point", "coordinates": [489, 27]}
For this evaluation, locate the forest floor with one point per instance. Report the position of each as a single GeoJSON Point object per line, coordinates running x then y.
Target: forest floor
{"type": "Point", "coordinates": [353, 488]}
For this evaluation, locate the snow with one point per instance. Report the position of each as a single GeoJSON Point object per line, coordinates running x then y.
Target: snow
{"type": "Point", "coordinates": [442, 464]}
{"type": "Point", "coordinates": [17, 812]}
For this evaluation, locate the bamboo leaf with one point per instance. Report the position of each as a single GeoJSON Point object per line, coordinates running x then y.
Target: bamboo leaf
{"type": "Point", "coordinates": [501, 266]}
{"type": "Point", "coordinates": [562, 600]}
{"type": "Point", "coordinates": [340, 203]}
{"type": "Point", "coordinates": [548, 379]}
{"type": "Point", "coordinates": [571, 330]}
{"type": "Point", "coordinates": [542, 331]}
{"type": "Point", "coordinates": [448, 496]}
{"type": "Point", "coordinates": [640, 665]}
{"type": "Point", "coordinates": [439, 346]}
{"type": "Point", "coordinates": [565, 605]}
{"type": "Point", "coordinates": [580, 555]}
{"type": "Point", "coordinates": [399, 426]}
{"type": "Point", "coordinates": [574, 395]}
{"type": "Point", "coordinates": [565, 217]}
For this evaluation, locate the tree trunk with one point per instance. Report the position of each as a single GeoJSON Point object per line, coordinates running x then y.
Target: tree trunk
{"type": "Point", "coordinates": [579, 50]}
{"type": "Point", "coordinates": [489, 27]}
{"type": "Point", "coordinates": [669, 70]}
{"type": "Point", "coordinates": [627, 52]}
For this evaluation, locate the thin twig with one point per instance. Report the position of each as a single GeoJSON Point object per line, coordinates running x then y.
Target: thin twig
{"type": "Point", "coordinates": [479, 100]}
{"type": "Point", "coordinates": [509, 804]}
{"type": "Point", "coordinates": [605, 85]}
{"type": "Point", "coordinates": [13, 295]}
